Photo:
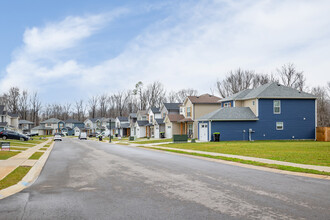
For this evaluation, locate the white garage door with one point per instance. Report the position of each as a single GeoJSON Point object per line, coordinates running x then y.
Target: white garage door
{"type": "Point", "coordinates": [203, 132]}
{"type": "Point", "coordinates": [168, 131]}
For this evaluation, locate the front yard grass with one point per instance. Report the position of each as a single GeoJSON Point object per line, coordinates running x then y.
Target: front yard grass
{"type": "Point", "coordinates": [303, 152]}
{"type": "Point", "coordinates": [275, 166]}
{"type": "Point", "coordinates": [14, 177]}
{"type": "Point", "coordinates": [152, 141]}
{"type": "Point", "coordinates": [43, 148]}
{"type": "Point", "coordinates": [36, 156]}
{"type": "Point", "coordinates": [4, 155]}
{"type": "Point", "coordinates": [19, 143]}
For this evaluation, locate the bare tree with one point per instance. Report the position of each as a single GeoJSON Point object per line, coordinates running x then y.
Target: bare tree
{"type": "Point", "coordinates": [79, 110]}
{"type": "Point", "coordinates": [13, 99]}
{"type": "Point", "coordinates": [323, 106]}
{"type": "Point", "coordinates": [183, 93]}
{"type": "Point", "coordinates": [92, 103]}
{"type": "Point", "coordinates": [289, 76]}
{"type": "Point", "coordinates": [66, 111]}
{"type": "Point", "coordinates": [103, 102]}
{"type": "Point", "coordinates": [23, 105]}
{"type": "Point", "coordinates": [120, 100]}
{"type": "Point", "coordinates": [155, 94]}
{"type": "Point", "coordinates": [141, 95]}
{"type": "Point", "coordinates": [35, 108]}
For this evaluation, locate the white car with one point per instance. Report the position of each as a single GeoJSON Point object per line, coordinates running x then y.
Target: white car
{"type": "Point", "coordinates": [83, 135]}
{"type": "Point", "coordinates": [57, 137]}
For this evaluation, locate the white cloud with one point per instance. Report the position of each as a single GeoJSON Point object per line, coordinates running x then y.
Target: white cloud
{"type": "Point", "coordinates": [192, 47]}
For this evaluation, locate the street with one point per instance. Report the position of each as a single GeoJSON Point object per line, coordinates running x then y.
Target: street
{"type": "Point", "coordinates": [92, 180]}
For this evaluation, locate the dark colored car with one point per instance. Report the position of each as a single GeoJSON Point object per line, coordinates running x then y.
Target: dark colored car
{"type": "Point", "coordinates": [93, 134]}
{"type": "Point", "coordinates": [5, 134]}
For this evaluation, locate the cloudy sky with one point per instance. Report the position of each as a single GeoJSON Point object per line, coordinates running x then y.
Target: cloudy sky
{"type": "Point", "coordinates": [68, 50]}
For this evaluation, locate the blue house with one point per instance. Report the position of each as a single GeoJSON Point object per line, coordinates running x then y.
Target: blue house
{"type": "Point", "coordinates": [73, 127]}
{"type": "Point", "coordinates": [269, 112]}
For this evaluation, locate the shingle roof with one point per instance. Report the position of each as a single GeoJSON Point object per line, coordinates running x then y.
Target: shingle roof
{"type": "Point", "coordinates": [230, 114]}
{"type": "Point", "coordinates": [172, 106]}
{"type": "Point", "coordinates": [122, 119]}
{"type": "Point", "coordinates": [271, 90]}
{"type": "Point", "coordinates": [142, 123]}
{"type": "Point", "coordinates": [25, 122]}
{"type": "Point", "coordinates": [51, 121]}
{"type": "Point", "coordinates": [175, 117]}
{"type": "Point", "coordinates": [155, 110]}
{"type": "Point", "coordinates": [204, 99]}
{"type": "Point", "coordinates": [12, 114]}
{"type": "Point", "coordinates": [160, 121]}
{"type": "Point", "coordinates": [132, 115]}
{"type": "Point", "coordinates": [71, 120]}
{"type": "Point", "coordinates": [3, 123]}
{"type": "Point", "coordinates": [125, 125]}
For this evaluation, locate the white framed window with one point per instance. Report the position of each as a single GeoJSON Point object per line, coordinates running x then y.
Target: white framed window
{"type": "Point", "coordinates": [182, 110]}
{"type": "Point", "coordinates": [279, 126]}
{"type": "Point", "coordinates": [277, 106]}
{"type": "Point", "coordinates": [253, 102]}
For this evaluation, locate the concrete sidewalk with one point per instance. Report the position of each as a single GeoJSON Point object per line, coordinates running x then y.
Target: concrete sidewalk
{"type": "Point", "coordinates": [268, 161]}
{"type": "Point", "coordinates": [21, 159]}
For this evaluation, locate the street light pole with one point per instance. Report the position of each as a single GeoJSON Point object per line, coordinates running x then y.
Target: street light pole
{"type": "Point", "coordinates": [110, 131]}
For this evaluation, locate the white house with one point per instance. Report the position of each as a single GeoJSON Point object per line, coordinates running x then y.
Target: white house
{"type": "Point", "coordinates": [154, 127]}
{"type": "Point", "coordinates": [49, 127]}
{"type": "Point", "coordinates": [8, 120]}
{"type": "Point", "coordinates": [140, 126]}
{"type": "Point", "coordinates": [122, 126]}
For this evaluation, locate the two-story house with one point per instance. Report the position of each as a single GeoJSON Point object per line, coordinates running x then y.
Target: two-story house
{"type": "Point", "coordinates": [140, 126]}
{"type": "Point", "coordinates": [156, 123]}
{"type": "Point", "coordinates": [122, 127]}
{"type": "Point", "coordinates": [25, 126]}
{"type": "Point", "coordinates": [269, 112]}
{"type": "Point", "coordinates": [191, 109]}
{"type": "Point", "coordinates": [49, 127]}
{"type": "Point", "coordinates": [132, 118]}
{"type": "Point", "coordinates": [74, 127]}
{"type": "Point", "coordinates": [170, 112]}
{"type": "Point", "coordinates": [8, 120]}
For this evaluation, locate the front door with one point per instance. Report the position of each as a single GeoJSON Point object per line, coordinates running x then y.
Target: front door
{"type": "Point", "coordinates": [203, 132]}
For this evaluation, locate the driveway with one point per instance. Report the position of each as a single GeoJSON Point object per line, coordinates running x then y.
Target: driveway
{"type": "Point", "coordinates": [92, 180]}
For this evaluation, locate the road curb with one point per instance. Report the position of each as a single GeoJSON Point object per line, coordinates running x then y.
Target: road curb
{"type": "Point", "coordinates": [30, 177]}
{"type": "Point", "coordinates": [273, 170]}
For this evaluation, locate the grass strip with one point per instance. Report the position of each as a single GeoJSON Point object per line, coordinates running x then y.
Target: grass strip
{"type": "Point", "coordinates": [4, 155]}
{"type": "Point", "coordinates": [152, 141]}
{"type": "Point", "coordinates": [275, 166]}
{"type": "Point", "coordinates": [14, 177]}
{"type": "Point", "coordinates": [36, 156]}
{"type": "Point", "coordinates": [44, 148]}
{"type": "Point", "coordinates": [18, 148]}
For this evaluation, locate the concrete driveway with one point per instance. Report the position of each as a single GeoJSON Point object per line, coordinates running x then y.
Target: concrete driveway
{"type": "Point", "coordinates": [91, 180]}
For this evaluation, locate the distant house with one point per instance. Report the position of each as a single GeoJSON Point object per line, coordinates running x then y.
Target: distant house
{"type": "Point", "coordinates": [132, 118]}
{"type": "Point", "coordinates": [25, 126]}
{"type": "Point", "coordinates": [140, 126]}
{"type": "Point", "coordinates": [49, 127]}
{"type": "Point", "coordinates": [8, 120]}
{"type": "Point", "coordinates": [170, 111]}
{"type": "Point", "coordinates": [74, 127]}
{"type": "Point", "coordinates": [193, 108]}
{"type": "Point", "coordinates": [269, 112]}
{"type": "Point", "coordinates": [156, 123]}
{"type": "Point", "coordinates": [122, 127]}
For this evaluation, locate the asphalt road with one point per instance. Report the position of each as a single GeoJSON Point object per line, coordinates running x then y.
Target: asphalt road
{"type": "Point", "coordinates": [91, 180]}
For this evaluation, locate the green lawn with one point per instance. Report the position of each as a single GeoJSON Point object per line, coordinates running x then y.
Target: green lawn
{"type": "Point", "coordinates": [14, 177]}
{"type": "Point", "coordinates": [36, 156]}
{"type": "Point", "coordinates": [4, 155]}
{"type": "Point", "coordinates": [43, 148]}
{"type": "Point", "coordinates": [19, 148]}
{"type": "Point", "coordinates": [19, 143]}
{"type": "Point", "coordinates": [146, 141]}
{"type": "Point", "coordinates": [304, 152]}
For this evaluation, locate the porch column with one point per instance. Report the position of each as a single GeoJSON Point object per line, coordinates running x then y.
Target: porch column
{"type": "Point", "coordinates": [185, 127]}
{"type": "Point", "coordinates": [181, 128]}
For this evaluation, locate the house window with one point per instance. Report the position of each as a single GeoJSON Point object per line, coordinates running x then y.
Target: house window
{"type": "Point", "coordinates": [164, 115]}
{"type": "Point", "coordinates": [182, 110]}
{"type": "Point", "coordinates": [144, 117]}
{"type": "Point", "coordinates": [151, 118]}
{"type": "Point", "coordinates": [277, 107]}
{"type": "Point", "coordinates": [188, 111]}
{"type": "Point", "coordinates": [253, 102]}
{"type": "Point", "coordinates": [227, 104]}
{"type": "Point", "coordinates": [48, 125]}
{"type": "Point", "coordinates": [279, 126]}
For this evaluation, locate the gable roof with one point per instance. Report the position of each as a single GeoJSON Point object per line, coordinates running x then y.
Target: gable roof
{"type": "Point", "coordinates": [204, 99]}
{"type": "Point", "coordinates": [160, 121]}
{"type": "Point", "coordinates": [25, 122]}
{"type": "Point", "coordinates": [142, 122]}
{"type": "Point", "coordinates": [155, 110]}
{"type": "Point", "coordinates": [270, 90]}
{"type": "Point", "coordinates": [51, 121]}
{"type": "Point", "coordinates": [172, 106]}
{"type": "Point", "coordinates": [122, 119]}
{"type": "Point", "coordinates": [230, 114]}
{"type": "Point", "coordinates": [175, 117]}
{"type": "Point", "coordinates": [142, 112]}
{"type": "Point", "coordinates": [74, 121]}
{"type": "Point", "coordinates": [132, 115]}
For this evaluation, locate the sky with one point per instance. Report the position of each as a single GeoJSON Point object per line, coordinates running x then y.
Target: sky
{"type": "Point", "coordinates": [70, 50]}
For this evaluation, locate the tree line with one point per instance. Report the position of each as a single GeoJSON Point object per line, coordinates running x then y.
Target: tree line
{"type": "Point", "coordinates": [121, 103]}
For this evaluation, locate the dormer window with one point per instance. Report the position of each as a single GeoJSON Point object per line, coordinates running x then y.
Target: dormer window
{"type": "Point", "coordinates": [277, 106]}
{"type": "Point", "coordinates": [188, 111]}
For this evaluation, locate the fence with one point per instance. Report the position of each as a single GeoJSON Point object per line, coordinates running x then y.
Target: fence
{"type": "Point", "coordinates": [323, 133]}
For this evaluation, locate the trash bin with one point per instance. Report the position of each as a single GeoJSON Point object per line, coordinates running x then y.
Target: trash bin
{"type": "Point", "coordinates": [216, 136]}
{"type": "Point", "coordinates": [162, 134]}
{"type": "Point", "coordinates": [100, 138]}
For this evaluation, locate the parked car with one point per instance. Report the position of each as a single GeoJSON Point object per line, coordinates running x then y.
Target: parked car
{"type": "Point", "coordinates": [6, 134]}
{"type": "Point", "coordinates": [83, 135]}
{"type": "Point", "coordinates": [57, 137]}
{"type": "Point", "coordinates": [95, 134]}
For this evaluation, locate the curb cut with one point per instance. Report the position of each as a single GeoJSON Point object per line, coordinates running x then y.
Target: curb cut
{"type": "Point", "coordinates": [30, 177]}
